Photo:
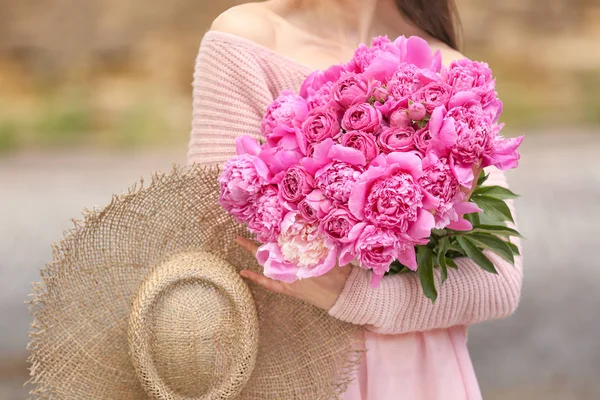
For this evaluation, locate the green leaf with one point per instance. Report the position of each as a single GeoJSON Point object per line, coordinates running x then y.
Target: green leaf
{"type": "Point", "coordinates": [496, 208]}
{"type": "Point", "coordinates": [475, 254]}
{"type": "Point", "coordinates": [425, 270]}
{"type": "Point", "coordinates": [486, 219]}
{"type": "Point", "coordinates": [444, 245]}
{"type": "Point", "coordinates": [482, 178]}
{"type": "Point", "coordinates": [497, 230]}
{"type": "Point", "coordinates": [497, 192]}
{"type": "Point", "coordinates": [494, 243]}
{"type": "Point", "coordinates": [450, 262]}
{"type": "Point", "coordinates": [444, 269]}
{"type": "Point", "coordinates": [514, 248]}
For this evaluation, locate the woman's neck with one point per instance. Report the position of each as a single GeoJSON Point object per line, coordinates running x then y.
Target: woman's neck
{"type": "Point", "coordinates": [347, 22]}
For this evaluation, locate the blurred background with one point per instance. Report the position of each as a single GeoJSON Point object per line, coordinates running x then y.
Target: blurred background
{"type": "Point", "coordinates": [96, 93]}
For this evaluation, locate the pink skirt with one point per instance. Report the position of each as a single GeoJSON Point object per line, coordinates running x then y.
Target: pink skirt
{"type": "Point", "coordinates": [416, 366]}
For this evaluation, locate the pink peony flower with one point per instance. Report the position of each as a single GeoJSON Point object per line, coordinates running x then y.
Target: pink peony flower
{"type": "Point", "coordinates": [388, 195]}
{"type": "Point", "coordinates": [283, 116]}
{"type": "Point", "coordinates": [242, 178]}
{"type": "Point", "coordinates": [416, 111]}
{"type": "Point", "coordinates": [439, 181]}
{"type": "Point", "coordinates": [406, 80]}
{"type": "Point", "coordinates": [362, 59]}
{"type": "Point", "coordinates": [375, 248]}
{"type": "Point", "coordinates": [351, 89]}
{"type": "Point", "coordinates": [321, 97]}
{"type": "Point", "coordinates": [307, 211]}
{"type": "Point", "coordinates": [337, 180]}
{"type": "Point", "coordinates": [266, 215]}
{"type": "Point", "coordinates": [473, 76]}
{"type": "Point", "coordinates": [364, 142]}
{"type": "Point", "coordinates": [300, 252]}
{"type": "Point", "coordinates": [318, 79]}
{"type": "Point", "coordinates": [337, 224]}
{"type": "Point", "coordinates": [422, 137]}
{"type": "Point", "coordinates": [475, 133]}
{"type": "Point", "coordinates": [383, 43]}
{"type": "Point", "coordinates": [433, 95]}
{"type": "Point", "coordinates": [396, 138]}
{"type": "Point", "coordinates": [296, 184]}
{"type": "Point", "coordinates": [362, 117]}
{"type": "Point", "coordinates": [505, 155]}
{"type": "Point", "coordinates": [321, 124]}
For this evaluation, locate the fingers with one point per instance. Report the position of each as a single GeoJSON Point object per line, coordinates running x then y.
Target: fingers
{"type": "Point", "coordinates": [263, 281]}
{"type": "Point", "coordinates": [247, 245]}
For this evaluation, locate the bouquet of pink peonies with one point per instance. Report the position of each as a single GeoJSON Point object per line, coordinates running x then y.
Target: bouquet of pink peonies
{"type": "Point", "coordinates": [380, 162]}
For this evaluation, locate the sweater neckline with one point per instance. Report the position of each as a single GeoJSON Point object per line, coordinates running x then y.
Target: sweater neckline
{"type": "Point", "coordinates": [306, 69]}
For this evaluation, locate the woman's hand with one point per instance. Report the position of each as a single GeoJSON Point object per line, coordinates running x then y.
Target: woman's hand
{"type": "Point", "coordinates": [322, 291]}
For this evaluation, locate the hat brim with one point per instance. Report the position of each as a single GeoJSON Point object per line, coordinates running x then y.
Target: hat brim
{"type": "Point", "coordinates": [79, 345]}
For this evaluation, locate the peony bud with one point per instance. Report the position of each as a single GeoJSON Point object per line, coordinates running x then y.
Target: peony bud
{"type": "Point", "coordinates": [380, 94]}
{"type": "Point", "coordinates": [416, 111]}
{"type": "Point", "coordinates": [400, 119]}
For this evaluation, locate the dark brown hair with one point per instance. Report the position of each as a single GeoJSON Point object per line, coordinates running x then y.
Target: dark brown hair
{"type": "Point", "coordinates": [439, 18]}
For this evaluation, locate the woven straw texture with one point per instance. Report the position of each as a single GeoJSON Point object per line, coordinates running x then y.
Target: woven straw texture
{"type": "Point", "coordinates": [142, 300]}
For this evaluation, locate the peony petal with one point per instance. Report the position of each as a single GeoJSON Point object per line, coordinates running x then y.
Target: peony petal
{"type": "Point", "coordinates": [275, 267]}
{"type": "Point", "coordinates": [376, 278]}
{"type": "Point", "coordinates": [436, 120]}
{"type": "Point", "coordinates": [422, 227]}
{"type": "Point", "coordinates": [247, 145]}
{"type": "Point", "coordinates": [505, 154]}
{"type": "Point", "coordinates": [346, 255]}
{"type": "Point", "coordinates": [315, 196]}
{"type": "Point", "coordinates": [430, 201]}
{"type": "Point", "coordinates": [418, 52]}
{"type": "Point", "coordinates": [261, 168]}
{"type": "Point", "coordinates": [460, 225]}
{"type": "Point", "coordinates": [448, 134]}
{"type": "Point", "coordinates": [408, 257]}
{"type": "Point", "coordinates": [379, 161]}
{"type": "Point", "coordinates": [322, 268]}
{"type": "Point", "coordinates": [347, 155]}
{"type": "Point", "coordinates": [461, 98]}
{"type": "Point", "coordinates": [288, 220]}
{"type": "Point", "coordinates": [436, 63]}
{"type": "Point", "coordinates": [463, 173]}
{"type": "Point", "coordinates": [383, 67]}
{"type": "Point", "coordinates": [400, 43]}
{"type": "Point", "coordinates": [301, 141]}
{"type": "Point", "coordinates": [320, 157]}
{"type": "Point", "coordinates": [356, 202]}
{"type": "Point", "coordinates": [407, 162]}
{"type": "Point", "coordinates": [466, 207]}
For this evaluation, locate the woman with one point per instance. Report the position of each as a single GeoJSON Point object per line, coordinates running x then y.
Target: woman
{"type": "Point", "coordinates": [416, 349]}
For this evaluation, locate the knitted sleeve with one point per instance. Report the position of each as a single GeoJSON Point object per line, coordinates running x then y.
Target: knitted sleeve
{"type": "Point", "coordinates": [230, 95]}
{"type": "Point", "coordinates": [469, 295]}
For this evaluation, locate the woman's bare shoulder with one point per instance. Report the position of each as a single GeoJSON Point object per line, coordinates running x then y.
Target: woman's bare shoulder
{"type": "Point", "coordinates": [250, 21]}
{"type": "Point", "coordinates": [448, 53]}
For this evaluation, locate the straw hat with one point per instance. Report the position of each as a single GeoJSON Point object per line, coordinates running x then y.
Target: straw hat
{"type": "Point", "coordinates": [143, 300]}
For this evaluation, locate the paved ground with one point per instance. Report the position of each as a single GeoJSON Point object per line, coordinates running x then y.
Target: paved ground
{"type": "Point", "coordinates": [549, 349]}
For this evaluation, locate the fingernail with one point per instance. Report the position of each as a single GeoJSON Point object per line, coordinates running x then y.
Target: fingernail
{"type": "Point", "coordinates": [243, 274]}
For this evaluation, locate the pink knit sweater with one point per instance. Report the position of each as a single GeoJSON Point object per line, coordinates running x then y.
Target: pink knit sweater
{"type": "Point", "coordinates": [234, 82]}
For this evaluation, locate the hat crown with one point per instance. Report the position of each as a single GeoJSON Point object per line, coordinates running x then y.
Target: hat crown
{"type": "Point", "coordinates": [193, 329]}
